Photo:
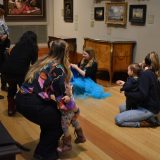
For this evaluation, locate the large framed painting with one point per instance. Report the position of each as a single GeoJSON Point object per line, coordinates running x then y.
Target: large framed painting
{"type": "Point", "coordinates": [25, 10]}
{"type": "Point", "coordinates": [116, 13]}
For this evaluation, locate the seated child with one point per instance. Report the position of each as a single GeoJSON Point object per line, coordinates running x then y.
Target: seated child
{"type": "Point", "coordinates": [131, 84]}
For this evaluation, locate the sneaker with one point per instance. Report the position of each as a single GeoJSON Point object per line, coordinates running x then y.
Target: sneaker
{"type": "Point", "coordinates": [1, 97]}
{"type": "Point", "coordinates": [151, 122]}
{"type": "Point", "coordinates": [154, 120]}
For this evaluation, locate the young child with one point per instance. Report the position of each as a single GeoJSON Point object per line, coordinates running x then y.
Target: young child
{"type": "Point", "coordinates": [69, 115]}
{"type": "Point", "coordinates": [131, 84]}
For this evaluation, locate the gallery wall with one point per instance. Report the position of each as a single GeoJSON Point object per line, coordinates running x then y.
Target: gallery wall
{"type": "Point", "coordinates": [84, 25]}
{"type": "Point", "coordinates": [43, 28]}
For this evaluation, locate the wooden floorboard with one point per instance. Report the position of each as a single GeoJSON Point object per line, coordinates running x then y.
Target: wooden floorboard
{"type": "Point", "coordinates": [105, 140]}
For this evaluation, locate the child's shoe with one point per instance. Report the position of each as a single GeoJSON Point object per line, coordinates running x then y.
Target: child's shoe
{"type": "Point", "coordinates": [66, 144]}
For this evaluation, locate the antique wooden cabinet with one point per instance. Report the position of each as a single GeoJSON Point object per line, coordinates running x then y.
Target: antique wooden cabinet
{"type": "Point", "coordinates": [72, 46]}
{"type": "Point", "coordinates": [112, 56]}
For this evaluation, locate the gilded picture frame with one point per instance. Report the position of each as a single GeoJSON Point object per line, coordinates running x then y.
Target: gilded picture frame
{"type": "Point", "coordinates": [116, 13]}
{"type": "Point", "coordinates": [25, 10]}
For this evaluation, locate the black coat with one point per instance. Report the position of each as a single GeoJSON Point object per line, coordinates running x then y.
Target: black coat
{"type": "Point", "coordinates": [19, 60]}
{"type": "Point", "coordinates": [147, 93]}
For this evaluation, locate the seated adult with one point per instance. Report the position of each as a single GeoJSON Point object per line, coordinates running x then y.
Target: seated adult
{"type": "Point", "coordinates": [84, 79]}
{"type": "Point", "coordinates": [146, 98]}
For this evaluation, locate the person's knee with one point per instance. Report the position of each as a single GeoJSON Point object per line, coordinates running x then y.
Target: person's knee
{"type": "Point", "coordinates": [118, 121]}
{"type": "Point", "coordinates": [122, 108]}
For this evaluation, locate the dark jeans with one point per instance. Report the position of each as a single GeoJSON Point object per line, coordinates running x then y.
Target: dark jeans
{"type": "Point", "coordinates": [3, 80]}
{"type": "Point", "coordinates": [2, 76]}
{"type": "Point", "coordinates": [47, 116]}
{"type": "Point", "coordinates": [13, 83]}
{"type": "Point", "coordinates": [3, 57]}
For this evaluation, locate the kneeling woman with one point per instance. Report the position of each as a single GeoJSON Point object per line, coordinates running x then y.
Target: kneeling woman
{"type": "Point", "coordinates": [146, 96]}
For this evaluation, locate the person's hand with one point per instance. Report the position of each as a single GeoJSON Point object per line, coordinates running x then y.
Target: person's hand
{"type": "Point", "coordinates": [75, 66]}
{"type": "Point", "coordinates": [53, 97]}
{"type": "Point", "coordinates": [145, 68]}
{"type": "Point", "coordinates": [120, 82]}
{"type": "Point", "coordinates": [66, 99]}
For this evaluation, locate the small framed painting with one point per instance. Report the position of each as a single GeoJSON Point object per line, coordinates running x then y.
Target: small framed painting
{"type": "Point", "coordinates": [68, 10]}
{"type": "Point", "coordinates": [99, 13]}
{"type": "Point", "coordinates": [137, 14]}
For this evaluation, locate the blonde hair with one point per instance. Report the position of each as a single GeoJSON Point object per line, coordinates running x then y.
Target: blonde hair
{"type": "Point", "coordinates": [92, 57]}
{"type": "Point", "coordinates": [58, 54]}
{"type": "Point", "coordinates": [152, 61]}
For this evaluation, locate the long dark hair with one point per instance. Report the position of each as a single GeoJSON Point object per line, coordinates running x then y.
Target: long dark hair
{"type": "Point", "coordinates": [28, 39]}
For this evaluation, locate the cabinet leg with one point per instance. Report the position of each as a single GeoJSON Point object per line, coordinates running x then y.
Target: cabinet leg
{"type": "Point", "coordinates": [110, 78]}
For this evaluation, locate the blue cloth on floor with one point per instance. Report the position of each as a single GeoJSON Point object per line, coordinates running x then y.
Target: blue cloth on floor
{"type": "Point", "coordinates": [75, 74]}
{"type": "Point", "coordinates": [85, 87]}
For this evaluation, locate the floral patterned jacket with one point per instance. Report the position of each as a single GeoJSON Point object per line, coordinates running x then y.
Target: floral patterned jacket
{"type": "Point", "coordinates": [48, 81]}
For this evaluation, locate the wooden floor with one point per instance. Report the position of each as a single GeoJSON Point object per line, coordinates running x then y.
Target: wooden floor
{"type": "Point", "coordinates": [105, 140]}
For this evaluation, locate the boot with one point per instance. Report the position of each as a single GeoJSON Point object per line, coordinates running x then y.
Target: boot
{"type": "Point", "coordinates": [80, 136]}
{"type": "Point", "coordinates": [65, 145]}
{"type": "Point", "coordinates": [147, 123]}
{"type": "Point", "coordinates": [11, 106]}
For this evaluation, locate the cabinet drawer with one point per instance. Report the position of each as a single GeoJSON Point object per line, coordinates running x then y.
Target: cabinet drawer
{"type": "Point", "coordinates": [122, 50]}
{"type": "Point", "coordinates": [121, 63]}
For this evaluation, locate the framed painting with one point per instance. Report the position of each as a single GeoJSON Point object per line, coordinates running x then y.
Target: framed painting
{"type": "Point", "coordinates": [117, 0]}
{"type": "Point", "coordinates": [99, 13]}
{"type": "Point", "coordinates": [137, 14]}
{"type": "Point", "coordinates": [25, 10]}
{"type": "Point", "coordinates": [68, 10]}
{"type": "Point", "coordinates": [116, 13]}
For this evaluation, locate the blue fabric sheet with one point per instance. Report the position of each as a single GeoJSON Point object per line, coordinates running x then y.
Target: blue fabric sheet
{"type": "Point", "coordinates": [85, 87]}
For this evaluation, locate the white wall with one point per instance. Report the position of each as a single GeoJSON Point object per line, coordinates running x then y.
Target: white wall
{"type": "Point", "coordinates": [147, 37]}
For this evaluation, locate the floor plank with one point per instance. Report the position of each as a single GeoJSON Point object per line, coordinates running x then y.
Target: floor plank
{"type": "Point", "coordinates": [105, 140]}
